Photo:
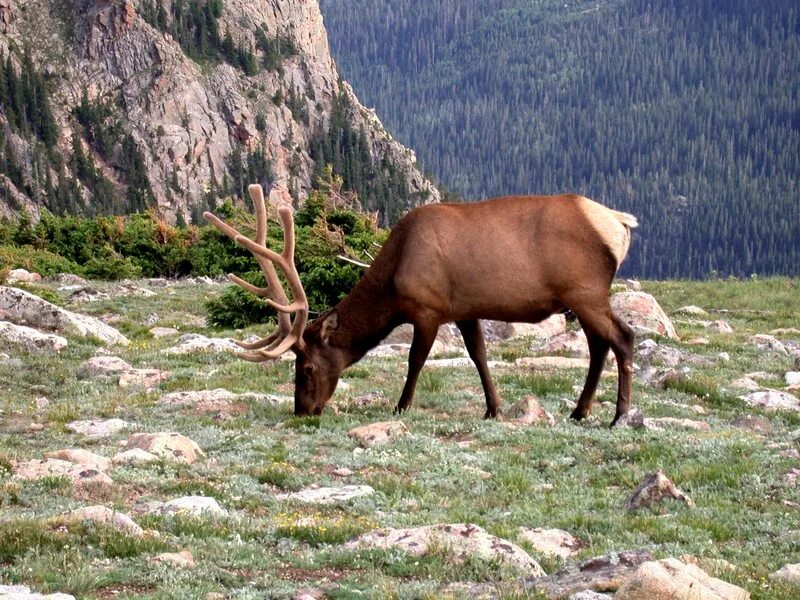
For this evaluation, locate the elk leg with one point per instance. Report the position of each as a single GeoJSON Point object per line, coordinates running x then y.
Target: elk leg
{"type": "Point", "coordinates": [424, 336]}
{"type": "Point", "coordinates": [622, 344]}
{"type": "Point", "coordinates": [476, 346]}
{"type": "Point", "coordinates": [598, 350]}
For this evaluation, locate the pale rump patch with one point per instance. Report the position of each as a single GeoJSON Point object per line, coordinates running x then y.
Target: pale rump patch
{"type": "Point", "coordinates": [613, 227]}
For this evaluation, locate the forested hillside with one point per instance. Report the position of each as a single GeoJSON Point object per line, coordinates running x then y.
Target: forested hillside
{"type": "Point", "coordinates": [685, 112]}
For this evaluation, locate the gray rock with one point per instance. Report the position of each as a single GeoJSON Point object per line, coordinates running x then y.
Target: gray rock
{"type": "Point", "coordinates": [97, 428]}
{"type": "Point", "coordinates": [328, 495]}
{"type": "Point", "coordinates": [103, 516]}
{"type": "Point", "coordinates": [169, 445]}
{"type": "Point", "coordinates": [33, 340]}
{"type": "Point", "coordinates": [655, 488]}
{"type": "Point", "coordinates": [753, 423]}
{"type": "Point", "coordinates": [773, 400]}
{"type": "Point", "coordinates": [79, 475]}
{"type": "Point", "coordinates": [789, 573]}
{"type": "Point", "coordinates": [643, 313]}
{"type": "Point", "coordinates": [768, 343]}
{"type": "Point", "coordinates": [377, 434]}
{"type": "Point", "coordinates": [23, 592]}
{"type": "Point", "coordinates": [552, 542]}
{"type": "Point", "coordinates": [194, 506]}
{"type": "Point", "coordinates": [670, 578]}
{"type": "Point", "coordinates": [100, 366]}
{"type": "Point", "coordinates": [192, 343]}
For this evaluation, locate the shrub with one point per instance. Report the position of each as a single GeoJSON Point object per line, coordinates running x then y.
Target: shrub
{"type": "Point", "coordinates": [43, 262]}
{"type": "Point", "coordinates": [236, 308]}
{"type": "Point", "coordinates": [111, 267]}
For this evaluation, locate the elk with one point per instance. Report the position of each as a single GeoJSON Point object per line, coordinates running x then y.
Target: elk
{"type": "Point", "coordinates": [516, 259]}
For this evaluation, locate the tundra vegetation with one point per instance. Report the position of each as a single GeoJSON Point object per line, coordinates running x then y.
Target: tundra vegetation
{"type": "Point", "coordinates": [454, 467]}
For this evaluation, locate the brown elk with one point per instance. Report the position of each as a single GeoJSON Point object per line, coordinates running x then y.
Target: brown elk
{"type": "Point", "coordinates": [517, 258]}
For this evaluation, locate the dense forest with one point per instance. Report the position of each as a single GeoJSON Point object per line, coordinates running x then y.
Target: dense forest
{"type": "Point", "coordinates": [684, 112]}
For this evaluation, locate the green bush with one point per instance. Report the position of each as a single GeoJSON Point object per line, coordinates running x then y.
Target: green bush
{"type": "Point", "coordinates": [236, 308]}
{"type": "Point", "coordinates": [112, 267]}
{"type": "Point", "coordinates": [43, 262]}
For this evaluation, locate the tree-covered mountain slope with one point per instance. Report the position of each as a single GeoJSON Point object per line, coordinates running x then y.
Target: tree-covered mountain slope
{"type": "Point", "coordinates": [684, 112]}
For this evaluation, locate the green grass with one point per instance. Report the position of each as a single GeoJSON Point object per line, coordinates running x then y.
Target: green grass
{"type": "Point", "coordinates": [455, 467]}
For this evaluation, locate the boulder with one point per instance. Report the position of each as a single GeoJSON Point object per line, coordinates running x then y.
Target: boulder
{"type": "Point", "coordinates": [16, 276]}
{"type": "Point", "coordinates": [192, 343]}
{"type": "Point", "coordinates": [787, 573]}
{"type": "Point", "coordinates": [773, 400]}
{"type": "Point", "coordinates": [180, 560]}
{"type": "Point", "coordinates": [192, 506]}
{"type": "Point", "coordinates": [377, 434]}
{"type": "Point", "coordinates": [148, 379]}
{"type": "Point", "coordinates": [82, 457]}
{"type": "Point", "coordinates": [97, 428]}
{"type": "Point", "coordinates": [101, 515]}
{"type": "Point", "coordinates": [570, 343]}
{"type": "Point", "coordinates": [719, 326]}
{"type": "Point", "coordinates": [33, 340]}
{"type": "Point", "coordinates": [768, 343]}
{"type": "Point", "coordinates": [459, 542]}
{"type": "Point", "coordinates": [692, 310]}
{"type": "Point", "coordinates": [79, 475]}
{"type": "Point", "coordinates": [670, 578]}
{"type": "Point", "coordinates": [528, 411]}
{"type": "Point", "coordinates": [161, 332]}
{"type": "Point", "coordinates": [552, 542]}
{"type": "Point", "coordinates": [643, 313]}
{"type": "Point", "coordinates": [655, 488]}
{"type": "Point", "coordinates": [101, 366]}
{"type": "Point", "coordinates": [328, 495]}
{"type": "Point", "coordinates": [792, 378]}
{"type": "Point", "coordinates": [601, 574]}
{"type": "Point", "coordinates": [23, 592]}
{"type": "Point", "coordinates": [169, 445]}
{"type": "Point", "coordinates": [753, 423]}
{"type": "Point", "coordinates": [24, 308]}
{"type": "Point", "coordinates": [543, 330]}
{"type": "Point", "coordinates": [219, 399]}
{"type": "Point", "coordinates": [133, 456]}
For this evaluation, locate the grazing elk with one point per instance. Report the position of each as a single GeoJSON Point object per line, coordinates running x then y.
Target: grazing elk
{"type": "Point", "coordinates": [516, 259]}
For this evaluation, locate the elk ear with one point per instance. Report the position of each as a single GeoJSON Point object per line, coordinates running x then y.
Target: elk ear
{"type": "Point", "coordinates": [329, 325]}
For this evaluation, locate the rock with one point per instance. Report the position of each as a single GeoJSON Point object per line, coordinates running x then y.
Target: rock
{"type": "Point", "coordinates": [745, 383]}
{"type": "Point", "coordinates": [169, 445]}
{"type": "Point", "coordinates": [787, 331]}
{"type": "Point", "coordinates": [66, 279]}
{"type": "Point", "coordinates": [715, 565]}
{"type": "Point", "coordinates": [753, 423]}
{"type": "Point", "coordinates": [660, 423]}
{"type": "Point", "coordinates": [768, 343]}
{"type": "Point", "coordinates": [589, 595]}
{"type": "Point", "coordinates": [376, 434]}
{"type": "Point", "coordinates": [543, 330]}
{"type": "Point", "coordinates": [193, 506]}
{"type": "Point", "coordinates": [448, 336]}
{"type": "Point", "coordinates": [641, 311]}
{"type": "Point", "coordinates": [389, 350]}
{"type": "Point", "coordinates": [459, 541]}
{"type": "Point", "coordinates": [161, 332]}
{"type": "Point", "coordinates": [528, 411]}
{"type": "Point", "coordinates": [102, 516]}
{"type": "Point", "coordinates": [180, 560]}
{"type": "Point", "coordinates": [42, 403]}
{"type": "Point", "coordinates": [650, 352]}
{"type": "Point", "coordinates": [87, 295]}
{"type": "Point", "coordinates": [553, 542]}
{"type": "Point", "coordinates": [24, 308]}
{"type": "Point", "coordinates": [16, 276]}
{"type": "Point", "coordinates": [789, 573]}
{"type": "Point", "coordinates": [633, 419]}
{"type": "Point", "coordinates": [33, 340]}
{"type": "Point", "coordinates": [552, 363]}
{"type": "Point", "coordinates": [149, 379]}
{"type": "Point", "coordinates": [328, 495]}
{"type": "Point", "coordinates": [601, 574]}
{"type": "Point", "coordinates": [792, 378]}
{"type": "Point", "coordinates": [309, 594]}
{"type": "Point", "coordinates": [692, 310]}
{"type": "Point", "coordinates": [219, 399]}
{"type": "Point", "coordinates": [81, 457]}
{"type": "Point", "coordinates": [570, 343]}
{"type": "Point", "coordinates": [719, 327]}
{"type": "Point", "coordinates": [772, 400]}
{"type": "Point", "coordinates": [79, 475]}
{"type": "Point", "coordinates": [23, 592]}
{"type": "Point", "coordinates": [133, 456]}
{"type": "Point", "coordinates": [97, 428]}
{"type": "Point", "coordinates": [653, 490]}
{"type": "Point", "coordinates": [670, 578]}
{"type": "Point", "coordinates": [699, 341]}
{"type": "Point", "coordinates": [100, 366]}
{"type": "Point", "coordinates": [191, 343]}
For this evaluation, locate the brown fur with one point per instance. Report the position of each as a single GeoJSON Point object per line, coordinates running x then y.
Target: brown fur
{"type": "Point", "coordinates": [518, 258]}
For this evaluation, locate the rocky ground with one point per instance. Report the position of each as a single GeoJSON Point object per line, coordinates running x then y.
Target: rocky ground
{"type": "Point", "coordinates": [139, 458]}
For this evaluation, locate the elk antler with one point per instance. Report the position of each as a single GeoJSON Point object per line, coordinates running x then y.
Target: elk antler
{"type": "Point", "coordinates": [288, 333]}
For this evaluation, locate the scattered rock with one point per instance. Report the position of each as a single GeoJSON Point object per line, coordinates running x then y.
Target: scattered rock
{"type": "Point", "coordinates": [24, 308]}
{"type": "Point", "coordinates": [459, 541]}
{"type": "Point", "coordinates": [719, 327]}
{"type": "Point", "coordinates": [651, 352]}
{"type": "Point", "coordinates": [528, 411]}
{"type": "Point", "coordinates": [33, 340]}
{"type": "Point", "coordinates": [552, 363]}
{"type": "Point", "coordinates": [161, 332]}
{"type": "Point", "coordinates": [194, 506]}
{"type": "Point", "coordinates": [389, 350]}
{"type": "Point", "coordinates": [191, 343]}
{"type": "Point", "coordinates": [343, 472]}
{"type": "Point", "coordinates": [87, 295]}
{"type": "Point", "coordinates": [768, 343]}
{"type": "Point", "coordinates": [376, 434]}
{"type": "Point", "coordinates": [661, 423]}
{"type": "Point", "coordinates": [82, 457]}
{"type": "Point", "coordinates": [745, 383]}
{"type": "Point", "coordinates": [181, 560]}
{"type": "Point", "coordinates": [633, 419]}
{"type": "Point", "coordinates": [149, 379]}
{"type": "Point", "coordinates": [570, 343]}
{"type": "Point", "coordinates": [695, 311]}
{"type": "Point", "coordinates": [22, 276]}
{"type": "Point", "coordinates": [23, 592]}
{"type": "Point", "coordinates": [589, 595]}
{"type": "Point", "coordinates": [543, 330]}
{"type": "Point", "coordinates": [42, 403]}
{"type": "Point", "coordinates": [133, 456]}
{"type": "Point", "coordinates": [792, 378]}
{"type": "Point", "coordinates": [699, 341]}
{"type": "Point", "coordinates": [97, 428]}
{"type": "Point", "coordinates": [787, 573]}
{"type": "Point", "coordinates": [219, 400]}
{"type": "Point", "coordinates": [643, 313]}
{"type": "Point", "coordinates": [772, 400]}
{"type": "Point", "coordinates": [601, 574]}
{"type": "Point", "coordinates": [79, 475]}
{"type": "Point", "coordinates": [66, 279]}
{"type": "Point", "coordinates": [553, 542]}
{"type": "Point", "coordinates": [753, 423]}
{"type": "Point", "coordinates": [100, 366]}
{"type": "Point", "coordinates": [654, 489]}
{"type": "Point", "coordinates": [309, 594]}
{"type": "Point", "coordinates": [169, 445]}
{"type": "Point", "coordinates": [328, 495]}
{"type": "Point", "coordinates": [670, 578]}
{"type": "Point", "coordinates": [101, 515]}
{"type": "Point", "coordinates": [368, 399]}
{"type": "Point", "coordinates": [787, 331]}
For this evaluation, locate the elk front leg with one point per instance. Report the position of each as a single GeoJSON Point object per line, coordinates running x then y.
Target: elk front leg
{"type": "Point", "coordinates": [424, 336]}
{"type": "Point", "coordinates": [476, 346]}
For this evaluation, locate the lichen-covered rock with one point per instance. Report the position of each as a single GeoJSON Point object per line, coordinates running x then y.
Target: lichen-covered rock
{"type": "Point", "coordinates": [773, 400]}
{"type": "Point", "coordinates": [669, 579]}
{"type": "Point", "coordinates": [789, 573]}
{"type": "Point", "coordinates": [148, 379]}
{"type": "Point", "coordinates": [528, 411]}
{"type": "Point", "coordinates": [328, 495]}
{"type": "Point", "coordinates": [376, 434]}
{"type": "Point", "coordinates": [552, 363]}
{"type": "Point", "coordinates": [768, 343]}
{"type": "Point", "coordinates": [82, 457]}
{"type": "Point", "coordinates": [97, 428]}
{"type": "Point", "coordinates": [33, 340]}
{"type": "Point", "coordinates": [552, 542]}
{"type": "Point", "coordinates": [22, 276]}
{"type": "Point", "coordinates": [133, 456]}
{"type": "Point", "coordinates": [543, 330]}
{"type": "Point", "coordinates": [23, 592]}
{"type": "Point", "coordinates": [219, 399]}
{"type": "Point", "coordinates": [643, 313]}
{"type": "Point", "coordinates": [192, 343]}
{"type": "Point", "coordinates": [79, 475]}
{"type": "Point", "coordinates": [570, 343]}
{"type": "Point", "coordinates": [169, 445]}
{"type": "Point", "coordinates": [719, 326]}
{"type": "Point", "coordinates": [653, 489]}
{"type": "Point", "coordinates": [193, 506]}
{"type": "Point", "coordinates": [459, 541]}
{"type": "Point", "coordinates": [100, 366]}
{"type": "Point", "coordinates": [24, 308]}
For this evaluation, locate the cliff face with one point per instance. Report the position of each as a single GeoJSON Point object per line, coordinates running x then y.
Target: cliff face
{"type": "Point", "coordinates": [192, 112]}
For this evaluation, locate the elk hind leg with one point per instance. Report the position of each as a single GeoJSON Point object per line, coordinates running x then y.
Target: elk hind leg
{"type": "Point", "coordinates": [598, 350]}
{"type": "Point", "coordinates": [476, 346]}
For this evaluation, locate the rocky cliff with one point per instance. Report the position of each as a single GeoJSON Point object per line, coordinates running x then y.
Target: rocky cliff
{"type": "Point", "coordinates": [188, 96]}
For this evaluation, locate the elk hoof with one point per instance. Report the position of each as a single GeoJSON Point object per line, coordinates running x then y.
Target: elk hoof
{"type": "Point", "coordinates": [398, 410]}
{"type": "Point", "coordinates": [577, 415]}
{"type": "Point", "coordinates": [491, 413]}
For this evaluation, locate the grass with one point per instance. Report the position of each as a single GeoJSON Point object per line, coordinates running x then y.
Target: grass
{"type": "Point", "coordinates": [455, 467]}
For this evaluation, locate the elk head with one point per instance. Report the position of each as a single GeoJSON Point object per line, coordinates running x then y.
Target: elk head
{"type": "Point", "coordinates": [316, 368]}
